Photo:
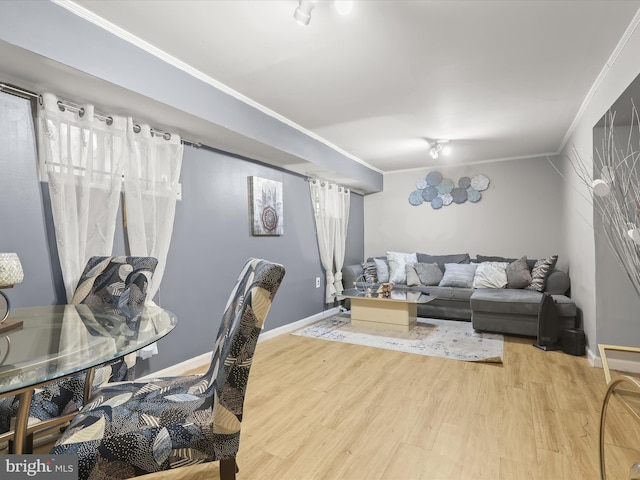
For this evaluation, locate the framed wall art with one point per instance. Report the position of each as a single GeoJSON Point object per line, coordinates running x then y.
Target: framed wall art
{"type": "Point", "coordinates": [266, 203]}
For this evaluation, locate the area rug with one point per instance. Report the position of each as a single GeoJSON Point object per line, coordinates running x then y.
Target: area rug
{"type": "Point", "coordinates": [436, 338]}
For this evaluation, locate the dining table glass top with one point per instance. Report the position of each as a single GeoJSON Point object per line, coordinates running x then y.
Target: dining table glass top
{"type": "Point", "coordinates": [55, 341]}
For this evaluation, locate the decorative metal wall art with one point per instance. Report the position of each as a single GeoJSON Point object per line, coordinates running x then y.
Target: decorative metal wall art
{"type": "Point", "coordinates": [439, 191]}
{"type": "Point", "coordinates": [266, 206]}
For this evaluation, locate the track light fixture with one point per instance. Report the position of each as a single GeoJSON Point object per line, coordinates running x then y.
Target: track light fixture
{"type": "Point", "coordinates": [302, 14]}
{"type": "Point", "coordinates": [438, 146]}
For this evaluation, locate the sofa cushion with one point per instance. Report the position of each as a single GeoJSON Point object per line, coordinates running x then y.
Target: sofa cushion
{"type": "Point", "coordinates": [490, 275]}
{"type": "Point", "coordinates": [541, 271]}
{"type": "Point", "coordinates": [506, 300]}
{"type": "Point", "coordinates": [518, 274]}
{"type": "Point", "coordinates": [441, 260]}
{"type": "Point", "coordinates": [517, 302]}
{"type": "Point", "coordinates": [449, 293]}
{"type": "Point", "coordinates": [458, 275]}
{"type": "Point", "coordinates": [397, 262]}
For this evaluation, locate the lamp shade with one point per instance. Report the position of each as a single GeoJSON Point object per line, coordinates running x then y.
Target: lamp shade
{"type": "Point", "coordinates": [10, 270]}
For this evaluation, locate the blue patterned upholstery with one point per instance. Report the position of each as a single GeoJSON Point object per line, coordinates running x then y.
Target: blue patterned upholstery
{"type": "Point", "coordinates": [135, 428]}
{"type": "Point", "coordinates": [118, 281]}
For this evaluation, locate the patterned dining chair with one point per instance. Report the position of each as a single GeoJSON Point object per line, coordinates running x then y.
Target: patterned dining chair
{"type": "Point", "coordinates": [120, 282]}
{"type": "Point", "coordinates": [134, 428]}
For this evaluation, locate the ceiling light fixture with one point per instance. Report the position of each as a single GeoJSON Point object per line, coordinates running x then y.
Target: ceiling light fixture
{"type": "Point", "coordinates": [437, 146]}
{"type": "Point", "coordinates": [343, 7]}
{"type": "Point", "coordinates": [302, 13]}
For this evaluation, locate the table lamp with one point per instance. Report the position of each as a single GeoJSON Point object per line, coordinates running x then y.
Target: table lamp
{"type": "Point", "coordinates": [10, 274]}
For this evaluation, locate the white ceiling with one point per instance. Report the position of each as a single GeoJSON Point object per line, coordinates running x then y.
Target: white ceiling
{"type": "Point", "coordinates": [501, 79]}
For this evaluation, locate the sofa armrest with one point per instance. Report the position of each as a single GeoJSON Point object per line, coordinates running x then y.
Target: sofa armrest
{"type": "Point", "coordinates": [350, 274]}
{"type": "Point", "coordinates": [558, 283]}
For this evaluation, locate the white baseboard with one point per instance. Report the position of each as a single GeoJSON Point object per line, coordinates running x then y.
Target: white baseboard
{"type": "Point", "coordinates": [180, 368]}
{"type": "Point", "coordinates": [621, 365]}
{"type": "Point", "coordinates": [205, 358]}
{"type": "Point", "coordinates": [296, 325]}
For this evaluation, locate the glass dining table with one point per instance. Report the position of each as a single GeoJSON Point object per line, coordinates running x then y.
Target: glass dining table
{"type": "Point", "coordinates": [61, 340]}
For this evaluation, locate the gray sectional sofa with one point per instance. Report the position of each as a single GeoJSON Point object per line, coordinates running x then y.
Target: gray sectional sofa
{"type": "Point", "coordinates": [503, 310]}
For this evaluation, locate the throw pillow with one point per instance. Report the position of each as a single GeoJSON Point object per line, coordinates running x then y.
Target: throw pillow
{"type": "Point", "coordinates": [382, 270]}
{"type": "Point", "coordinates": [441, 260]}
{"type": "Point", "coordinates": [428, 273]}
{"type": "Point", "coordinates": [491, 275]}
{"type": "Point", "coordinates": [541, 271]}
{"type": "Point", "coordinates": [458, 275]}
{"type": "Point", "coordinates": [493, 258]}
{"type": "Point", "coordinates": [518, 274]}
{"type": "Point", "coordinates": [397, 262]}
{"type": "Point", "coordinates": [412, 276]}
{"type": "Point", "coordinates": [370, 272]}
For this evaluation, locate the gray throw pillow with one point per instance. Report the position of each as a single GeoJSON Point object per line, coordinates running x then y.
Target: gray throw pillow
{"type": "Point", "coordinates": [412, 277]}
{"type": "Point", "coordinates": [441, 260]}
{"type": "Point", "coordinates": [428, 273]}
{"type": "Point", "coordinates": [541, 271]}
{"type": "Point", "coordinates": [518, 275]}
{"type": "Point", "coordinates": [458, 275]}
{"type": "Point", "coordinates": [382, 270]}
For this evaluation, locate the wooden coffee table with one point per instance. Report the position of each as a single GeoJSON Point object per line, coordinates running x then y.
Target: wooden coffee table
{"type": "Point", "coordinates": [398, 311]}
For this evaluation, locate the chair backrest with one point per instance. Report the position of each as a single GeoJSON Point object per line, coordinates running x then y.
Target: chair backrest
{"type": "Point", "coordinates": [242, 322]}
{"type": "Point", "coordinates": [118, 281]}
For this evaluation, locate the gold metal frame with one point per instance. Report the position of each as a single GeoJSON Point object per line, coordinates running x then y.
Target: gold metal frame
{"type": "Point", "coordinates": [630, 398]}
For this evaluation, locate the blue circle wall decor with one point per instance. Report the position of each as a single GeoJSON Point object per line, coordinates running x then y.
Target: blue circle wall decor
{"type": "Point", "coordinates": [438, 191]}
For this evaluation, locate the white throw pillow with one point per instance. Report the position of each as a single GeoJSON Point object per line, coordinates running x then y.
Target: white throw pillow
{"type": "Point", "coordinates": [491, 275]}
{"type": "Point", "coordinates": [397, 261]}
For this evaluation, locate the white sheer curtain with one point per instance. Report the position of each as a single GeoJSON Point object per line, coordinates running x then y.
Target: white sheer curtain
{"type": "Point", "coordinates": [81, 158]}
{"type": "Point", "coordinates": [152, 173]}
{"type": "Point", "coordinates": [344, 202]}
{"type": "Point", "coordinates": [331, 217]}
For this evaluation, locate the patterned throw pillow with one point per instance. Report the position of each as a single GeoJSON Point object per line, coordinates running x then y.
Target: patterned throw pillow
{"type": "Point", "coordinates": [458, 275]}
{"type": "Point", "coordinates": [518, 274]}
{"type": "Point", "coordinates": [429, 273]}
{"type": "Point", "coordinates": [370, 272]}
{"type": "Point", "coordinates": [397, 262]}
{"type": "Point", "coordinates": [540, 272]}
{"type": "Point", "coordinates": [491, 275]}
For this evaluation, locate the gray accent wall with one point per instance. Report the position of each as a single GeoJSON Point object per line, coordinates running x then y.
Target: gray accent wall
{"type": "Point", "coordinates": [210, 244]}
{"type": "Point", "coordinates": [23, 227]}
{"type": "Point", "coordinates": [212, 240]}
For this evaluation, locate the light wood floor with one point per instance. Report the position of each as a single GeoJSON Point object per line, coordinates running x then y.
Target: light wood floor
{"type": "Point", "coordinates": [324, 410]}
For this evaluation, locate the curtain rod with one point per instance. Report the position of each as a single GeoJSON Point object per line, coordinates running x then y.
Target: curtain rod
{"type": "Point", "coordinates": [322, 183]}
{"type": "Point", "coordinates": [74, 107]}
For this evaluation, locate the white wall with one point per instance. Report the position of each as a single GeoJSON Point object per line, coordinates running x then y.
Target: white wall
{"type": "Point", "coordinates": [615, 325]}
{"type": "Point", "coordinates": [519, 214]}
